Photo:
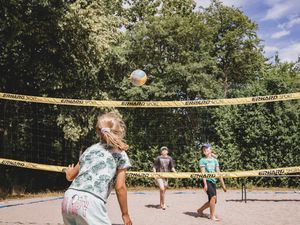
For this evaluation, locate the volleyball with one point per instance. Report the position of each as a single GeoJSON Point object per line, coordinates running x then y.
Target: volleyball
{"type": "Point", "coordinates": [138, 77]}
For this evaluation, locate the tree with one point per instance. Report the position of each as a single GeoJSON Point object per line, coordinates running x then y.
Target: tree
{"type": "Point", "coordinates": [236, 47]}
{"type": "Point", "coordinates": [53, 48]}
{"type": "Point", "coordinates": [263, 135]}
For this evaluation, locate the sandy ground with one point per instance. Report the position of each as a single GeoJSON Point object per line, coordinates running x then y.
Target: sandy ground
{"type": "Point", "coordinates": [263, 208]}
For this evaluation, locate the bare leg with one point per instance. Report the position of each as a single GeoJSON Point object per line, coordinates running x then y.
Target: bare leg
{"type": "Point", "coordinates": [164, 199]}
{"type": "Point", "coordinates": [212, 208]}
{"type": "Point", "coordinates": [202, 208]}
{"type": "Point", "coordinates": [162, 191]}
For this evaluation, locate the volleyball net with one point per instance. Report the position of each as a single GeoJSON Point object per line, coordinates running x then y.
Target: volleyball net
{"type": "Point", "coordinates": [45, 133]}
{"type": "Point", "coordinates": [253, 173]}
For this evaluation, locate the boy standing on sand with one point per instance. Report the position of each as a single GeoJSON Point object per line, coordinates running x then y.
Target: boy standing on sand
{"type": "Point", "coordinates": [209, 164]}
{"type": "Point", "coordinates": [163, 163]}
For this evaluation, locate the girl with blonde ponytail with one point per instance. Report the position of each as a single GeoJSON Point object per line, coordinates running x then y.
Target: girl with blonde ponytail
{"type": "Point", "coordinates": [111, 130]}
{"type": "Point", "coordinates": [93, 176]}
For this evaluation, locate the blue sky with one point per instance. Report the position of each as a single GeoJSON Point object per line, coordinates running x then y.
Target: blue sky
{"type": "Point", "coordinates": [278, 24]}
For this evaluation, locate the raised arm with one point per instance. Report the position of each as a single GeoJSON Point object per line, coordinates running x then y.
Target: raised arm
{"type": "Point", "coordinates": [72, 171]}
{"type": "Point", "coordinates": [214, 155]}
{"type": "Point", "coordinates": [121, 191]}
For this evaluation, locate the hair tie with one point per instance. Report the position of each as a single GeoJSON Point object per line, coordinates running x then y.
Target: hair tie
{"type": "Point", "coordinates": [105, 129]}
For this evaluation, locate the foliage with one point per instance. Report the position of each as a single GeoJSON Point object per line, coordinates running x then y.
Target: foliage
{"type": "Point", "coordinates": [260, 135]}
{"type": "Point", "coordinates": [236, 46]}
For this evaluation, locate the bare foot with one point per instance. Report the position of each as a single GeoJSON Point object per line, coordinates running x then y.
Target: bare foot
{"type": "Point", "coordinates": [201, 214]}
{"type": "Point", "coordinates": [163, 207]}
{"type": "Point", "coordinates": [215, 219]}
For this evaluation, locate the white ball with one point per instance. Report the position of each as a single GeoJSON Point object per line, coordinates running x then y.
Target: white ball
{"type": "Point", "coordinates": [138, 77]}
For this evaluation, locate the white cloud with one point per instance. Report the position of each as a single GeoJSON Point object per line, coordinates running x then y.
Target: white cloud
{"type": "Point", "coordinates": [270, 49]}
{"type": "Point", "coordinates": [272, 2]}
{"type": "Point", "coordinates": [280, 34]}
{"type": "Point", "coordinates": [277, 11]}
{"type": "Point", "coordinates": [293, 22]}
{"type": "Point", "coordinates": [277, 8]}
{"type": "Point", "coordinates": [287, 54]}
{"type": "Point", "coordinates": [281, 8]}
{"type": "Point", "coordinates": [290, 53]}
{"type": "Point", "coordinates": [236, 3]}
{"type": "Point", "coordinates": [203, 3]}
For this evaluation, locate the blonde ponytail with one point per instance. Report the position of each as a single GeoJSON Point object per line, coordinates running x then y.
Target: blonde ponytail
{"type": "Point", "coordinates": [111, 130]}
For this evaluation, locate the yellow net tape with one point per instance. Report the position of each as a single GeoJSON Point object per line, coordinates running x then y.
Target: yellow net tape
{"type": "Point", "coordinates": [151, 104]}
{"type": "Point", "coordinates": [251, 173]}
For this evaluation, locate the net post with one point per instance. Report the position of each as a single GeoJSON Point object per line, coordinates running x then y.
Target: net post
{"type": "Point", "coordinates": [244, 190]}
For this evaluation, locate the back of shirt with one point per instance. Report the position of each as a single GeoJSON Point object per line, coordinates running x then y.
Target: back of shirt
{"type": "Point", "coordinates": [164, 164]}
{"type": "Point", "coordinates": [98, 167]}
{"type": "Point", "coordinates": [210, 166]}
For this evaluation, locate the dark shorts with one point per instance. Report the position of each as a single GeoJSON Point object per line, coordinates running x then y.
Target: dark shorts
{"type": "Point", "coordinates": [211, 189]}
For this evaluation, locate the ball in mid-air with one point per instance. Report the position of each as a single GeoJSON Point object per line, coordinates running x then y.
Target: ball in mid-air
{"type": "Point", "coordinates": [138, 77]}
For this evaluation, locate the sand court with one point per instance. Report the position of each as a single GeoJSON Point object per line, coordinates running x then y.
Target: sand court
{"type": "Point", "coordinates": [263, 208]}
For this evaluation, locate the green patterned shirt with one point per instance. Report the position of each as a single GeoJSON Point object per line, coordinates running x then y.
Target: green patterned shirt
{"type": "Point", "coordinates": [98, 167]}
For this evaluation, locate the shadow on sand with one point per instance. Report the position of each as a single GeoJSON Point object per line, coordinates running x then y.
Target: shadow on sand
{"type": "Point", "coordinates": [153, 206]}
{"type": "Point", "coordinates": [196, 215]}
{"type": "Point", "coordinates": [263, 200]}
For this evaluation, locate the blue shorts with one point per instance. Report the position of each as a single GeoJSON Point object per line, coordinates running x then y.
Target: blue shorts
{"type": "Point", "coordinates": [82, 208]}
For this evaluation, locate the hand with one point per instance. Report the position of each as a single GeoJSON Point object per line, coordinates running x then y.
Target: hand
{"type": "Point", "coordinates": [69, 168]}
{"type": "Point", "coordinates": [224, 188]}
{"type": "Point", "coordinates": [205, 188]}
{"type": "Point", "coordinates": [126, 219]}
{"type": "Point", "coordinates": [214, 155]}
{"type": "Point", "coordinates": [68, 171]}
